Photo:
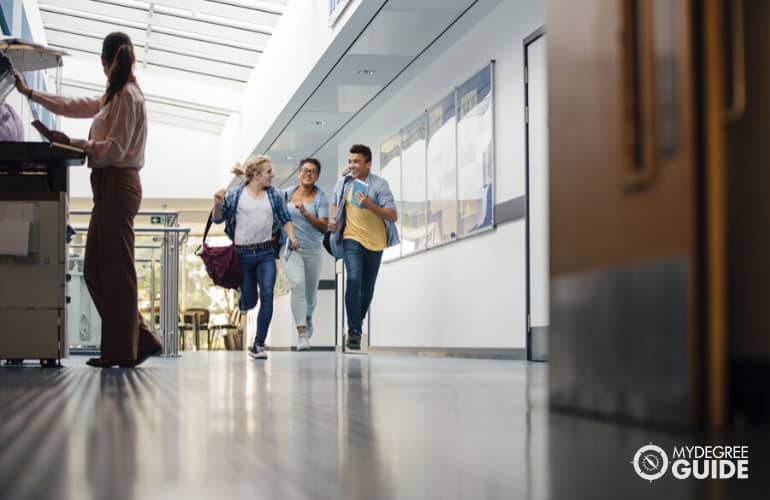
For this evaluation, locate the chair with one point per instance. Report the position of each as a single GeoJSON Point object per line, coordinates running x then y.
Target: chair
{"type": "Point", "coordinates": [195, 320]}
{"type": "Point", "coordinates": [233, 324]}
{"type": "Point", "coordinates": [202, 322]}
{"type": "Point", "coordinates": [186, 324]}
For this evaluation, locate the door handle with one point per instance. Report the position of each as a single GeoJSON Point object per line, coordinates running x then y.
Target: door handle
{"type": "Point", "coordinates": [639, 94]}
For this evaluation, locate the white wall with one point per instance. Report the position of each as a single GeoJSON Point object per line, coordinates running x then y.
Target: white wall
{"type": "Point", "coordinates": [228, 148]}
{"type": "Point", "coordinates": [283, 333]}
{"type": "Point", "coordinates": [179, 162]}
{"type": "Point", "coordinates": [471, 293]}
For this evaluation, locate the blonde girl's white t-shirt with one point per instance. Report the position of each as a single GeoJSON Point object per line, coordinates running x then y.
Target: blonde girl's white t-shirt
{"type": "Point", "coordinates": [253, 220]}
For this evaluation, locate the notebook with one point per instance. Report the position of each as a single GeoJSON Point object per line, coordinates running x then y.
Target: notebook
{"type": "Point", "coordinates": [359, 186]}
{"type": "Point", "coordinates": [46, 132]}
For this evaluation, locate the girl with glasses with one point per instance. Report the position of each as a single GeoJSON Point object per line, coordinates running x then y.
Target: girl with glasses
{"type": "Point", "coordinates": [309, 210]}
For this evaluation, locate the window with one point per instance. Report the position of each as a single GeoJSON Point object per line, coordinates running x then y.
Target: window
{"type": "Point", "coordinates": [336, 8]}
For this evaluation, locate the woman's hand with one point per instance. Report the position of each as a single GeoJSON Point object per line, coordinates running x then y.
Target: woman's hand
{"type": "Point", "coordinates": [332, 225]}
{"type": "Point", "coordinates": [301, 207]}
{"type": "Point", "coordinates": [219, 197]}
{"type": "Point", "coordinates": [60, 137]}
{"type": "Point", "coordinates": [79, 143]}
{"type": "Point", "coordinates": [20, 85]}
{"type": "Point", "coordinates": [294, 244]}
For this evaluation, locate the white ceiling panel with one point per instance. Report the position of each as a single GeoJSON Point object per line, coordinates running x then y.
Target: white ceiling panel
{"type": "Point", "coordinates": [93, 24]}
{"type": "Point", "coordinates": [207, 47]}
{"type": "Point", "coordinates": [231, 9]}
{"type": "Point", "coordinates": [105, 20]}
{"type": "Point", "coordinates": [413, 31]}
{"type": "Point", "coordinates": [341, 98]}
{"type": "Point", "coordinates": [355, 80]}
{"type": "Point", "coordinates": [192, 64]}
{"type": "Point", "coordinates": [308, 130]}
{"type": "Point", "coordinates": [447, 6]}
{"type": "Point", "coordinates": [305, 134]}
{"type": "Point", "coordinates": [175, 69]}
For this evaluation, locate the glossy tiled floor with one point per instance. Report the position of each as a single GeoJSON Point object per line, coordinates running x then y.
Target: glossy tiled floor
{"type": "Point", "coordinates": [314, 426]}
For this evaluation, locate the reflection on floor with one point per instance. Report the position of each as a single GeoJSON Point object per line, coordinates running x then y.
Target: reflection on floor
{"type": "Point", "coordinates": [315, 426]}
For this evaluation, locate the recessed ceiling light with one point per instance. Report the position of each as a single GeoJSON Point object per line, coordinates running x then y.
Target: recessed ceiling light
{"type": "Point", "coordinates": [318, 123]}
{"type": "Point", "coordinates": [366, 72]}
{"type": "Point", "coordinates": [289, 158]}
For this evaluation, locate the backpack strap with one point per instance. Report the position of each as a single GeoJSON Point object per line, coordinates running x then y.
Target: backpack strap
{"type": "Point", "coordinates": [347, 181]}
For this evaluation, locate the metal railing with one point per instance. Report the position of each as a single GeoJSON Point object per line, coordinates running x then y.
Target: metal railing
{"type": "Point", "coordinates": [171, 244]}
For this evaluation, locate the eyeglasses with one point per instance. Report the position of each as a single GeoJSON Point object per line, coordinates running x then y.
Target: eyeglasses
{"type": "Point", "coordinates": [308, 170]}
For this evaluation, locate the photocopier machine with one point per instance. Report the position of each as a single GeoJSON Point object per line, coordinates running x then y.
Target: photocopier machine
{"type": "Point", "coordinates": [34, 181]}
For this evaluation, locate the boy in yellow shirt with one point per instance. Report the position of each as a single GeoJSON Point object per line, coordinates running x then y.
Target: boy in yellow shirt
{"type": "Point", "coordinates": [360, 232]}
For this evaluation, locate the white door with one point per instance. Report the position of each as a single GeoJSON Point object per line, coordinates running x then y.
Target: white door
{"type": "Point", "coordinates": [537, 141]}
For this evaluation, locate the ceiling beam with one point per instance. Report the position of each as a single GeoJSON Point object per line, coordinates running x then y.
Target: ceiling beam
{"type": "Point", "coordinates": [114, 21]}
{"type": "Point", "coordinates": [150, 63]}
{"type": "Point", "coordinates": [159, 48]}
{"type": "Point", "coordinates": [170, 101]}
{"type": "Point", "coordinates": [274, 9]}
{"type": "Point", "coordinates": [178, 13]}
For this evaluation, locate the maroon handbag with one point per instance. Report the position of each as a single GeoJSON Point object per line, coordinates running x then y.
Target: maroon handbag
{"type": "Point", "coordinates": [222, 263]}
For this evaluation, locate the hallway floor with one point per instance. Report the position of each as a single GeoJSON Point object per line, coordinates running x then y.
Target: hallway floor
{"type": "Point", "coordinates": [315, 425]}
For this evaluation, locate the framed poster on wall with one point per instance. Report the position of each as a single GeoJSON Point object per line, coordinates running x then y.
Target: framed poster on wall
{"type": "Point", "coordinates": [390, 170]}
{"type": "Point", "coordinates": [442, 172]}
{"type": "Point", "coordinates": [414, 210]}
{"type": "Point", "coordinates": [475, 153]}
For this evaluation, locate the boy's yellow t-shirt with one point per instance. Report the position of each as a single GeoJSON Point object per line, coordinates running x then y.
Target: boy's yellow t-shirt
{"type": "Point", "coordinates": [364, 226]}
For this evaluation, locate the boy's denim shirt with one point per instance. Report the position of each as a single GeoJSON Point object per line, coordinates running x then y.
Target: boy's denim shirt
{"type": "Point", "coordinates": [380, 193]}
{"type": "Point", "coordinates": [230, 208]}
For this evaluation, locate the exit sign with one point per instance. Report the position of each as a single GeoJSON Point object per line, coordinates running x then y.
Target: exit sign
{"type": "Point", "coordinates": [155, 219]}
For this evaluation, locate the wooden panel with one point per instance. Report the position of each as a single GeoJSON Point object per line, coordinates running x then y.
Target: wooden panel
{"type": "Point", "coordinates": [595, 222]}
{"type": "Point", "coordinates": [715, 209]}
{"type": "Point", "coordinates": [624, 197]}
{"type": "Point", "coordinates": [748, 211]}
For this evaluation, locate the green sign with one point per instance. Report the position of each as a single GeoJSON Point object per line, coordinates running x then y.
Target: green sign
{"type": "Point", "coordinates": [155, 219]}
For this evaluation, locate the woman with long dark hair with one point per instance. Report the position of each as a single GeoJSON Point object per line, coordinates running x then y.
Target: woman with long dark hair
{"type": "Point", "coordinates": [115, 149]}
